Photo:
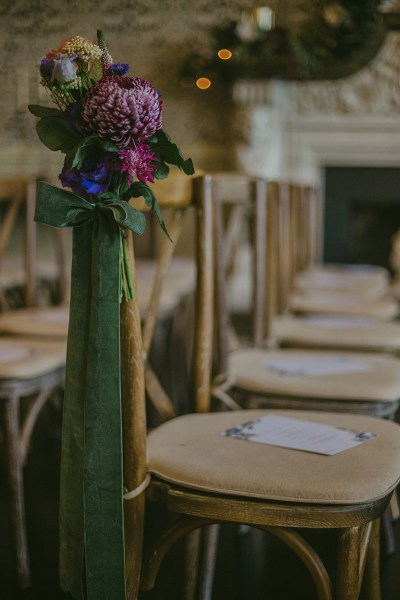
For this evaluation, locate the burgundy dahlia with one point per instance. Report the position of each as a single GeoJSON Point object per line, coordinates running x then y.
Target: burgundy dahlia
{"type": "Point", "coordinates": [124, 110]}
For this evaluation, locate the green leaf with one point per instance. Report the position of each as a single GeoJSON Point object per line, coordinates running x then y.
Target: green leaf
{"type": "Point", "coordinates": [166, 151]}
{"type": "Point", "coordinates": [108, 146]}
{"type": "Point", "coordinates": [138, 189]}
{"type": "Point", "coordinates": [56, 134]}
{"type": "Point", "coordinates": [83, 150]}
{"type": "Point", "coordinates": [157, 210]}
{"type": "Point", "coordinates": [44, 111]}
{"type": "Point", "coordinates": [162, 170]}
{"type": "Point", "coordinates": [108, 196]}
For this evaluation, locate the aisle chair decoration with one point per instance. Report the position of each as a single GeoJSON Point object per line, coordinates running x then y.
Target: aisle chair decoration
{"type": "Point", "coordinates": [109, 126]}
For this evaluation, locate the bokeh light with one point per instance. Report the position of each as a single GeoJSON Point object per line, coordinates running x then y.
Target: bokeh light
{"type": "Point", "coordinates": [224, 54]}
{"type": "Point", "coordinates": [203, 83]}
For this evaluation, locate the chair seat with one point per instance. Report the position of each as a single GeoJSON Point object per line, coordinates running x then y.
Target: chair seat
{"type": "Point", "coordinates": [337, 303]}
{"type": "Point", "coordinates": [337, 332]}
{"type": "Point", "coordinates": [28, 358]}
{"type": "Point", "coordinates": [181, 274]}
{"type": "Point", "coordinates": [49, 321]}
{"type": "Point", "coordinates": [53, 321]}
{"type": "Point", "coordinates": [188, 451]}
{"type": "Point", "coordinates": [350, 275]}
{"type": "Point", "coordinates": [371, 289]}
{"type": "Point", "coordinates": [316, 374]}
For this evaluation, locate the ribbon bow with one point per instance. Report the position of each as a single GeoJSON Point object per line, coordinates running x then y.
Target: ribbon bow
{"type": "Point", "coordinates": [91, 487]}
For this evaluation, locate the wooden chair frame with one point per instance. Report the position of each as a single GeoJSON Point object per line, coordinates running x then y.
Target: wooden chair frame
{"type": "Point", "coordinates": [358, 526]}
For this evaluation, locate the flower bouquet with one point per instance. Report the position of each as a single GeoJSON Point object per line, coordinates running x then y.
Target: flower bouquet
{"type": "Point", "coordinates": [109, 126]}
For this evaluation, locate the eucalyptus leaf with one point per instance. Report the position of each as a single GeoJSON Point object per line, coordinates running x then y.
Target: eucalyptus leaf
{"type": "Point", "coordinates": [44, 111]}
{"type": "Point", "coordinates": [56, 134]}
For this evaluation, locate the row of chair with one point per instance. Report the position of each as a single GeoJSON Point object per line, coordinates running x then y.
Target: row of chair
{"type": "Point", "coordinates": [203, 478]}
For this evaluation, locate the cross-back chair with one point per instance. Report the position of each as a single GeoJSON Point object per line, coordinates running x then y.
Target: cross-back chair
{"type": "Point", "coordinates": [341, 328]}
{"type": "Point", "coordinates": [31, 370]}
{"type": "Point", "coordinates": [200, 477]}
{"type": "Point", "coordinates": [366, 383]}
{"type": "Point", "coordinates": [33, 315]}
{"type": "Point", "coordinates": [354, 291]}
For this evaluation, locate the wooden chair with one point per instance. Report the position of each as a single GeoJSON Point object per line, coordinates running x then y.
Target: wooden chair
{"type": "Point", "coordinates": [355, 291]}
{"type": "Point", "coordinates": [344, 328]}
{"type": "Point", "coordinates": [200, 477]}
{"type": "Point", "coordinates": [368, 383]}
{"type": "Point", "coordinates": [247, 378]}
{"type": "Point", "coordinates": [33, 316]}
{"type": "Point", "coordinates": [31, 371]}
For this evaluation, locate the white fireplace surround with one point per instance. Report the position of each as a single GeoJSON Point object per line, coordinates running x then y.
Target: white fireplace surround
{"type": "Point", "coordinates": [292, 130]}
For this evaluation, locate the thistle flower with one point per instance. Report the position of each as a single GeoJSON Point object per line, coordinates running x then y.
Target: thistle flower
{"type": "Point", "coordinates": [119, 68]}
{"type": "Point", "coordinates": [125, 110]}
{"type": "Point", "coordinates": [138, 162]}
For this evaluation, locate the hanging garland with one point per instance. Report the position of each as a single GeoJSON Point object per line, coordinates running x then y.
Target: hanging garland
{"type": "Point", "coordinates": [335, 40]}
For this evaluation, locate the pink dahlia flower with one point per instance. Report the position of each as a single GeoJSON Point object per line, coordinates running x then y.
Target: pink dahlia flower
{"type": "Point", "coordinates": [138, 162]}
{"type": "Point", "coordinates": [124, 110]}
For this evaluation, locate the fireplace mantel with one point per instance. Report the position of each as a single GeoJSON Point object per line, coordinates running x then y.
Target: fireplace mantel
{"type": "Point", "coordinates": [292, 129]}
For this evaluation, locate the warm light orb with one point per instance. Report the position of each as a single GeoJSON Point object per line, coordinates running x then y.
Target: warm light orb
{"type": "Point", "coordinates": [224, 54]}
{"type": "Point", "coordinates": [203, 83]}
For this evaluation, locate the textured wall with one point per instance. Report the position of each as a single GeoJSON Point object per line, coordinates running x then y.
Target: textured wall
{"type": "Point", "coordinates": [154, 36]}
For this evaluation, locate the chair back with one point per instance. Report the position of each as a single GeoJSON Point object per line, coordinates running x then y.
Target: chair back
{"type": "Point", "coordinates": [19, 244]}
{"type": "Point", "coordinates": [137, 332]}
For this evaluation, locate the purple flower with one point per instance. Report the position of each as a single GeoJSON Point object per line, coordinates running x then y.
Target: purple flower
{"type": "Point", "coordinates": [92, 179]}
{"type": "Point", "coordinates": [119, 68]}
{"type": "Point", "coordinates": [46, 68]}
{"type": "Point", "coordinates": [138, 162]}
{"type": "Point", "coordinates": [124, 110]}
{"type": "Point", "coordinates": [61, 68]}
{"type": "Point", "coordinates": [65, 68]}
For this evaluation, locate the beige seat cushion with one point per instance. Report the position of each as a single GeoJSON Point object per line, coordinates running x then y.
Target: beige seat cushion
{"type": "Point", "coordinates": [337, 332]}
{"type": "Point", "coordinates": [53, 321]}
{"type": "Point", "coordinates": [188, 451]}
{"type": "Point", "coordinates": [343, 304]}
{"type": "Point", "coordinates": [356, 272]}
{"type": "Point", "coordinates": [368, 283]}
{"type": "Point", "coordinates": [49, 321]}
{"type": "Point", "coordinates": [369, 376]}
{"type": "Point", "coordinates": [27, 358]}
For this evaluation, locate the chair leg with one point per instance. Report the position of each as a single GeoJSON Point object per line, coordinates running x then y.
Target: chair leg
{"type": "Point", "coordinates": [389, 538]}
{"type": "Point", "coordinates": [371, 589]}
{"type": "Point", "coordinates": [208, 563]}
{"type": "Point", "coordinates": [15, 476]}
{"type": "Point", "coordinates": [192, 556]}
{"type": "Point", "coordinates": [347, 585]}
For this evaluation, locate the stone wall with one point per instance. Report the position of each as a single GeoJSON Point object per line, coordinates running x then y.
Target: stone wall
{"type": "Point", "coordinates": [154, 36]}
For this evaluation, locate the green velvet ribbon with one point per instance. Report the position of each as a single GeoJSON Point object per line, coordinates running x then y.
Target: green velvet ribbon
{"type": "Point", "coordinates": [91, 492]}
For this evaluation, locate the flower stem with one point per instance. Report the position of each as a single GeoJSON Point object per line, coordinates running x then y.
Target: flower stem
{"type": "Point", "coordinates": [126, 288]}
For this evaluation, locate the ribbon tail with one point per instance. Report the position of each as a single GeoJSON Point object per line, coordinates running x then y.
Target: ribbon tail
{"type": "Point", "coordinates": [103, 478]}
{"type": "Point", "coordinates": [72, 451]}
